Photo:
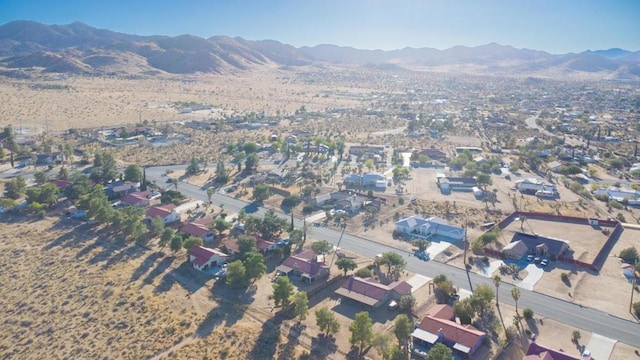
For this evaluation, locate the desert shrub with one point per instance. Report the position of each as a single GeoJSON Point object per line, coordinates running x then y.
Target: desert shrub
{"type": "Point", "coordinates": [564, 277]}
{"type": "Point", "coordinates": [364, 273]}
{"type": "Point", "coordinates": [528, 313]}
{"type": "Point", "coordinates": [615, 204]}
{"type": "Point", "coordinates": [629, 255]}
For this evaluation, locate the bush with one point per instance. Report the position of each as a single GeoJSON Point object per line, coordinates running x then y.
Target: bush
{"type": "Point", "coordinates": [364, 273]}
{"type": "Point", "coordinates": [291, 201]}
{"type": "Point", "coordinates": [629, 255]}
{"type": "Point", "coordinates": [564, 277]}
{"type": "Point", "coordinates": [616, 204]}
{"type": "Point", "coordinates": [307, 209]}
{"type": "Point", "coordinates": [528, 313]}
{"type": "Point", "coordinates": [636, 308]}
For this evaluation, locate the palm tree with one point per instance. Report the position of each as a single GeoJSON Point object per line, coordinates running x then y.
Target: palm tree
{"type": "Point", "coordinates": [174, 181]}
{"type": "Point", "coordinates": [515, 294]}
{"type": "Point", "coordinates": [496, 283]}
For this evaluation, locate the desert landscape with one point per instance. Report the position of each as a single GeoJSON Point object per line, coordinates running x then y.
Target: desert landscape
{"type": "Point", "coordinates": [120, 166]}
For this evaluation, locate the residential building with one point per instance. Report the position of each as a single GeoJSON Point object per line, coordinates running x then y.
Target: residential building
{"type": "Point", "coordinates": [306, 265]}
{"type": "Point", "coordinates": [418, 226]}
{"type": "Point", "coordinates": [540, 352]}
{"type": "Point", "coordinates": [204, 258]}
{"type": "Point", "coordinates": [138, 198]}
{"type": "Point", "coordinates": [199, 229]}
{"type": "Point", "coordinates": [535, 244]}
{"type": "Point", "coordinates": [439, 326]}
{"type": "Point", "coordinates": [531, 185]}
{"type": "Point", "coordinates": [167, 212]}
{"type": "Point", "coordinates": [372, 293]}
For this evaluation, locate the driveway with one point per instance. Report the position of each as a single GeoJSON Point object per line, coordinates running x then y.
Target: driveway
{"type": "Point", "coordinates": [534, 273]}
{"type": "Point", "coordinates": [600, 346]}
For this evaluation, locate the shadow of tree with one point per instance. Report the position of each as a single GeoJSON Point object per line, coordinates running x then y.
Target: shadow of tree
{"type": "Point", "coordinates": [268, 340]}
{"type": "Point", "coordinates": [533, 326]}
{"type": "Point", "coordinates": [159, 269]}
{"type": "Point", "coordinates": [146, 264]}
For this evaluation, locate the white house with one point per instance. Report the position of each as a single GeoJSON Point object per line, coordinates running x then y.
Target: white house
{"type": "Point", "coordinates": [167, 212]}
{"type": "Point", "coordinates": [416, 225]}
{"type": "Point", "coordinates": [203, 258]}
{"type": "Point", "coordinates": [533, 185]}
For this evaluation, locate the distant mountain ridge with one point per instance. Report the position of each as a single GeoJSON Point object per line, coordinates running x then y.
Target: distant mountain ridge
{"type": "Point", "coordinates": [80, 48]}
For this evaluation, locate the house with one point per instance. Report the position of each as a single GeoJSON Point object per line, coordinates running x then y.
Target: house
{"type": "Point", "coordinates": [416, 225]}
{"type": "Point", "coordinates": [203, 258]}
{"type": "Point", "coordinates": [449, 183]}
{"type": "Point", "coordinates": [439, 326]}
{"type": "Point", "coordinates": [305, 265]}
{"type": "Point", "coordinates": [138, 198]}
{"type": "Point", "coordinates": [540, 352]}
{"type": "Point", "coordinates": [119, 188]}
{"type": "Point", "coordinates": [372, 293]}
{"type": "Point", "coordinates": [167, 212]}
{"type": "Point", "coordinates": [342, 200]}
{"type": "Point", "coordinates": [541, 245]}
{"type": "Point", "coordinates": [531, 185]}
{"type": "Point", "coordinates": [199, 229]}
{"type": "Point", "coordinates": [61, 184]}
{"type": "Point", "coordinates": [265, 246]}
{"type": "Point", "coordinates": [515, 250]}
{"type": "Point", "coordinates": [631, 197]}
{"type": "Point", "coordinates": [376, 180]}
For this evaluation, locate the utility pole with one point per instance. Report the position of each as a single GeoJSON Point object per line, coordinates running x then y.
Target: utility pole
{"type": "Point", "coordinates": [344, 226]}
{"type": "Point", "coordinates": [633, 283]}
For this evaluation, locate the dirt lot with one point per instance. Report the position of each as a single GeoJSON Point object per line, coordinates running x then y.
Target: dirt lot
{"type": "Point", "coordinates": [73, 291]}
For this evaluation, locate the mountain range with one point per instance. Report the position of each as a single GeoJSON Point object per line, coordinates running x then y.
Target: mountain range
{"type": "Point", "coordinates": [27, 47]}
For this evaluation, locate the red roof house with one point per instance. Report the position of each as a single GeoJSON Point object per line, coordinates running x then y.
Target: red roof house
{"type": "Point", "coordinates": [539, 352]}
{"type": "Point", "coordinates": [371, 292]}
{"type": "Point", "coordinates": [305, 265]}
{"type": "Point", "coordinates": [137, 198]}
{"type": "Point", "coordinates": [199, 229]}
{"type": "Point", "coordinates": [203, 258]}
{"type": "Point", "coordinates": [439, 325]}
{"type": "Point", "coordinates": [167, 212]}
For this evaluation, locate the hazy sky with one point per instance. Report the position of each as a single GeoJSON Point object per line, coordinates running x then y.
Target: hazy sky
{"type": "Point", "coordinates": [556, 26]}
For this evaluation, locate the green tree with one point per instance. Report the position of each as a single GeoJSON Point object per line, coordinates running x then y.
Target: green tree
{"type": "Point", "coordinates": [192, 241]}
{"type": "Point", "coordinates": [575, 336]}
{"type": "Point", "coordinates": [402, 329]}
{"type": "Point", "coordinates": [321, 247]}
{"type": "Point", "coordinates": [165, 238]}
{"type": "Point", "coordinates": [156, 226]}
{"type": "Point", "coordinates": [209, 195]}
{"type": "Point", "coordinates": [301, 305]}
{"type": "Point", "coordinates": [361, 331]}
{"type": "Point", "coordinates": [395, 263]}
{"type": "Point", "coordinates": [496, 282]}
{"type": "Point", "coordinates": [105, 167]}
{"type": "Point", "coordinates": [484, 180]}
{"type": "Point", "coordinates": [482, 297]}
{"type": "Point", "coordinates": [254, 265]}
{"type": "Point", "coordinates": [251, 163]}
{"type": "Point", "coordinates": [629, 255]}
{"type": "Point", "coordinates": [528, 313]}
{"type": "Point", "coordinates": [176, 243]}
{"type": "Point", "coordinates": [465, 310]}
{"type": "Point", "coordinates": [326, 321]}
{"type": "Point", "coordinates": [221, 225]}
{"type": "Point", "coordinates": [250, 148]}
{"type": "Point", "coordinates": [15, 188]}
{"type": "Point", "coordinates": [222, 177]}
{"type": "Point", "coordinates": [193, 168]}
{"type": "Point", "coordinates": [47, 194]}
{"type": "Point", "coordinates": [133, 173]}
{"type": "Point", "coordinates": [407, 303]}
{"type": "Point", "coordinates": [63, 174]}
{"type": "Point", "coordinates": [261, 193]}
{"type": "Point", "coordinates": [421, 244]}
{"type": "Point", "coordinates": [247, 244]}
{"type": "Point", "coordinates": [40, 178]}
{"type": "Point", "coordinates": [282, 291]}
{"type": "Point", "coordinates": [272, 225]}
{"type": "Point", "coordinates": [439, 351]}
{"type": "Point", "coordinates": [346, 264]}
{"type": "Point", "coordinates": [236, 274]}
{"type": "Point", "coordinates": [382, 343]}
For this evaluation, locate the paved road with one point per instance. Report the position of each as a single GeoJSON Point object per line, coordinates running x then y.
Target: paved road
{"type": "Point", "coordinates": [544, 306]}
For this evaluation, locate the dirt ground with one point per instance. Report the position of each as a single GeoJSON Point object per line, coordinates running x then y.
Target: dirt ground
{"type": "Point", "coordinates": [71, 290]}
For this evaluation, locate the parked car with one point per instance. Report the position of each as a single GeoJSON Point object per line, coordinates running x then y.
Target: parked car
{"type": "Point", "coordinates": [537, 260]}
{"type": "Point", "coordinates": [529, 258]}
{"type": "Point", "coordinates": [422, 255]}
{"type": "Point", "coordinates": [544, 262]}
